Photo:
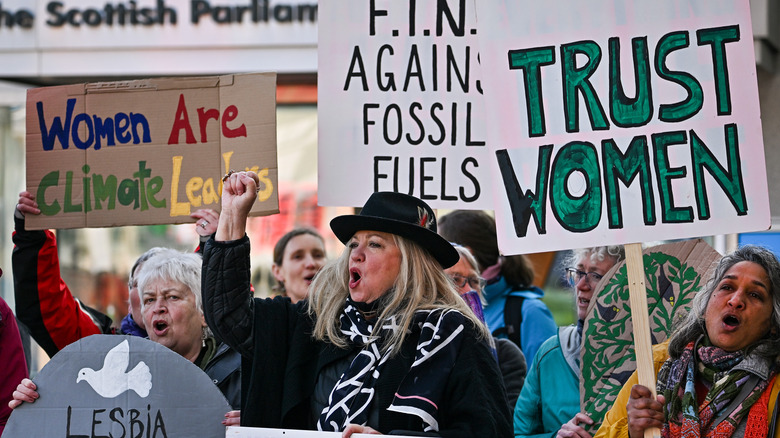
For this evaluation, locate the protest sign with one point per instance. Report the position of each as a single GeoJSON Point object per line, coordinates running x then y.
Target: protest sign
{"type": "Point", "coordinates": [120, 386]}
{"type": "Point", "coordinates": [673, 274]}
{"type": "Point", "coordinates": [400, 103]}
{"type": "Point", "coordinates": [258, 432]}
{"type": "Point", "coordinates": [618, 122]}
{"type": "Point", "coordinates": [146, 152]}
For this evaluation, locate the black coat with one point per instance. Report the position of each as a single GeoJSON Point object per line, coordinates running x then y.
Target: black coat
{"type": "Point", "coordinates": [224, 369]}
{"type": "Point", "coordinates": [281, 361]}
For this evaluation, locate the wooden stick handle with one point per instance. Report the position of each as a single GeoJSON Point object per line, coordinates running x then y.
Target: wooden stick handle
{"type": "Point", "coordinates": [643, 346]}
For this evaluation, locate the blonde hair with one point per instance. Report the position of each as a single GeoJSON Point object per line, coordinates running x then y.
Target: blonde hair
{"type": "Point", "coordinates": [421, 285]}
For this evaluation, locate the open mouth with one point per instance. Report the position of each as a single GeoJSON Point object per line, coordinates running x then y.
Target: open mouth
{"type": "Point", "coordinates": [354, 278]}
{"type": "Point", "coordinates": [160, 327]}
{"type": "Point", "coordinates": [731, 321]}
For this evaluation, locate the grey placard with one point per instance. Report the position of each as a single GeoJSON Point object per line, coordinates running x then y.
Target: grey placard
{"type": "Point", "coordinates": [158, 394]}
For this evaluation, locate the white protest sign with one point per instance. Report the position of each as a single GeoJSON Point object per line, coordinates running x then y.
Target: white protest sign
{"type": "Point", "coordinates": [400, 105]}
{"type": "Point", "coordinates": [261, 432]}
{"type": "Point", "coordinates": [621, 121]}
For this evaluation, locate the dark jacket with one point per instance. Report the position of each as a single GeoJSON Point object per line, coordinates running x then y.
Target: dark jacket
{"type": "Point", "coordinates": [513, 366]}
{"type": "Point", "coordinates": [224, 369]}
{"type": "Point", "coordinates": [282, 361]}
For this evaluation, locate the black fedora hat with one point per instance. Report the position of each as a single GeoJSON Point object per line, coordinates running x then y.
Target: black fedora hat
{"type": "Point", "coordinates": [399, 214]}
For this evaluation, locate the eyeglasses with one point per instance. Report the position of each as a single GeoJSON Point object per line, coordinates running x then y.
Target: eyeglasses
{"type": "Point", "coordinates": [574, 276]}
{"type": "Point", "coordinates": [476, 283]}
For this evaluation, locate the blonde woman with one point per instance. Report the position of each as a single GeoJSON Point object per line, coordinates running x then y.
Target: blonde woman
{"type": "Point", "coordinates": [384, 343]}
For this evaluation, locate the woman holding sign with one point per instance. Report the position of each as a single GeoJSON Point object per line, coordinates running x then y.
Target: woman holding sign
{"type": "Point", "coordinates": [384, 343]}
{"type": "Point", "coordinates": [718, 376]}
{"type": "Point", "coordinates": [168, 285]}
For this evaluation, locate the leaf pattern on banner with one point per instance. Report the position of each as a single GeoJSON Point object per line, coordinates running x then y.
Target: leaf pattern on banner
{"type": "Point", "coordinates": [608, 345]}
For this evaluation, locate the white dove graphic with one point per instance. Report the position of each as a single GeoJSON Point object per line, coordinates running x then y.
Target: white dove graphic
{"type": "Point", "coordinates": [112, 380]}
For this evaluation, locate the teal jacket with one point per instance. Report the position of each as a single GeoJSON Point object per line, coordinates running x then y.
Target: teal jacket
{"type": "Point", "coordinates": [551, 394]}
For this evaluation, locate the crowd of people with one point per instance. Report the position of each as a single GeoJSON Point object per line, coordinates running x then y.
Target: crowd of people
{"type": "Point", "coordinates": [420, 327]}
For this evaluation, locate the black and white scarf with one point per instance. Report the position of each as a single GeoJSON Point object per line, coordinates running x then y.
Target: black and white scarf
{"type": "Point", "coordinates": [421, 389]}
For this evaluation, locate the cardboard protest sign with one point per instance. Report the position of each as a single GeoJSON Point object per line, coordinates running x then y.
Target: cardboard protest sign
{"type": "Point", "coordinates": [121, 386]}
{"type": "Point", "coordinates": [400, 103]}
{"type": "Point", "coordinates": [616, 121]}
{"type": "Point", "coordinates": [149, 151]}
{"type": "Point", "coordinates": [674, 273]}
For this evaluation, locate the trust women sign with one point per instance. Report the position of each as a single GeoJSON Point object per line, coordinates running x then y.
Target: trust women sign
{"type": "Point", "coordinates": [149, 151]}
{"type": "Point", "coordinates": [618, 121]}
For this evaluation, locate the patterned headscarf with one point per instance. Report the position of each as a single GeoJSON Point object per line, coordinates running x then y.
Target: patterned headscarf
{"type": "Point", "coordinates": [684, 415]}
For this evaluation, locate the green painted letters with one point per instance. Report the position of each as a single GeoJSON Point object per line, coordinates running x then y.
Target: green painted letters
{"type": "Point", "coordinates": [691, 105]}
{"type": "Point", "coordinates": [70, 207]}
{"type": "Point", "coordinates": [142, 173]}
{"type": "Point", "coordinates": [127, 193]}
{"type": "Point", "coordinates": [577, 79]}
{"type": "Point", "coordinates": [576, 213]}
{"type": "Point", "coordinates": [730, 181]}
{"type": "Point", "coordinates": [626, 167]}
{"type": "Point", "coordinates": [51, 179]}
{"type": "Point", "coordinates": [626, 112]}
{"type": "Point", "coordinates": [104, 191]}
{"type": "Point", "coordinates": [665, 173]}
{"type": "Point", "coordinates": [530, 62]}
{"type": "Point", "coordinates": [717, 38]}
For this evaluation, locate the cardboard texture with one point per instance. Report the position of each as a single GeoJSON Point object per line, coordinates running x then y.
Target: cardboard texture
{"type": "Point", "coordinates": [149, 151]}
{"type": "Point", "coordinates": [674, 273]}
{"type": "Point", "coordinates": [120, 386]}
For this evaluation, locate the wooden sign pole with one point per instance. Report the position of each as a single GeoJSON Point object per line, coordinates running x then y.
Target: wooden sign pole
{"type": "Point", "coordinates": [643, 346]}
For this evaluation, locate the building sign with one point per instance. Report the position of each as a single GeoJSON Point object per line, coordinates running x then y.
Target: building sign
{"type": "Point", "coordinates": [400, 103]}
{"type": "Point", "coordinates": [149, 151]}
{"type": "Point", "coordinates": [120, 386]}
{"type": "Point", "coordinates": [621, 122]}
{"type": "Point", "coordinates": [156, 37]}
{"type": "Point", "coordinates": [158, 13]}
